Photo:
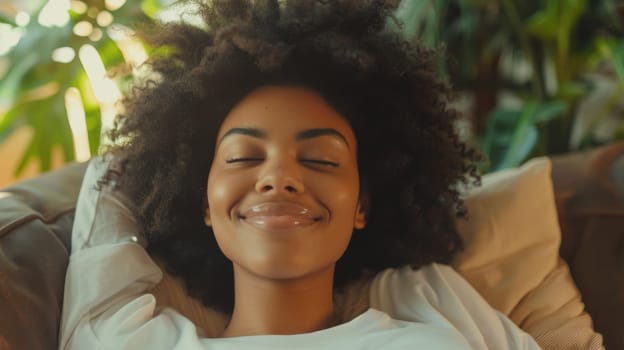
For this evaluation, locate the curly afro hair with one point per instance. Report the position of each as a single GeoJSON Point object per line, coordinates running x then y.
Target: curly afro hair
{"type": "Point", "coordinates": [411, 161]}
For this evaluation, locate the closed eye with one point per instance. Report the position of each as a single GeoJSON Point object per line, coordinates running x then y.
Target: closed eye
{"type": "Point", "coordinates": [310, 161]}
{"type": "Point", "coordinates": [239, 160]}
{"type": "Point", "coordinates": [321, 162]}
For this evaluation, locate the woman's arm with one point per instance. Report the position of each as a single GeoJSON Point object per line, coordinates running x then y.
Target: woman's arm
{"type": "Point", "coordinates": [106, 301]}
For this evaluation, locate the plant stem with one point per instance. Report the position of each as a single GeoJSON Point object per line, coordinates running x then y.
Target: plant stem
{"type": "Point", "coordinates": [516, 26]}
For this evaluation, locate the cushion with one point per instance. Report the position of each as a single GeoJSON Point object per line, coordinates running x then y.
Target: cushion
{"type": "Point", "coordinates": [34, 250]}
{"type": "Point", "coordinates": [512, 235]}
{"type": "Point", "coordinates": [512, 240]}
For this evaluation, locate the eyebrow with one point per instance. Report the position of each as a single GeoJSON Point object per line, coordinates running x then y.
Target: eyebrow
{"type": "Point", "coordinates": [257, 133]}
{"type": "Point", "coordinates": [301, 135]}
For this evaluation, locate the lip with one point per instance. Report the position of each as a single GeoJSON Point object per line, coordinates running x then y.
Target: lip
{"type": "Point", "coordinates": [279, 216]}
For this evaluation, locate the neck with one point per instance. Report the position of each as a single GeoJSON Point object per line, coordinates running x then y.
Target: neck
{"type": "Point", "coordinates": [279, 306]}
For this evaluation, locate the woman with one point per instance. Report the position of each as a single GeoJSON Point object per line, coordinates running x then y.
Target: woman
{"type": "Point", "coordinates": [289, 149]}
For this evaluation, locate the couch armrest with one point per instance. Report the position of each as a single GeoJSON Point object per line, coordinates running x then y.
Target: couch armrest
{"type": "Point", "coordinates": [589, 191]}
{"type": "Point", "coordinates": [35, 215]}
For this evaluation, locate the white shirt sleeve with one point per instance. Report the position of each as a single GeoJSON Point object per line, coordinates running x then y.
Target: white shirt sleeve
{"type": "Point", "coordinates": [106, 302]}
{"type": "Point", "coordinates": [437, 295]}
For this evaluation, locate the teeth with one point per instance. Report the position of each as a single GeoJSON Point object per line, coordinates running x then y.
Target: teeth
{"type": "Point", "coordinates": [278, 209]}
{"type": "Point", "coordinates": [279, 222]}
{"type": "Point", "coordinates": [279, 216]}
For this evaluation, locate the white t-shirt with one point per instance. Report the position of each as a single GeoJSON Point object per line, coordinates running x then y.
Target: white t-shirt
{"type": "Point", "coordinates": [108, 305]}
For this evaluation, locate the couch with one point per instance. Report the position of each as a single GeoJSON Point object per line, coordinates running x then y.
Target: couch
{"type": "Point", "coordinates": [36, 218]}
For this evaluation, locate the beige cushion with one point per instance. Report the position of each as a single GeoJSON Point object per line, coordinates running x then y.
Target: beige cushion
{"type": "Point", "coordinates": [512, 236]}
{"type": "Point", "coordinates": [512, 257]}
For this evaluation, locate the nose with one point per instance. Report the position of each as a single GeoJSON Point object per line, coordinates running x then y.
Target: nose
{"type": "Point", "coordinates": [280, 177]}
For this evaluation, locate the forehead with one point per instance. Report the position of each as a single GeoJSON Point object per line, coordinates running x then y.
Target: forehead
{"type": "Point", "coordinates": [285, 110]}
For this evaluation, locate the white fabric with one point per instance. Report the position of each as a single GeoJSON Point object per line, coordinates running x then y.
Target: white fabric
{"type": "Point", "coordinates": [438, 296]}
{"type": "Point", "coordinates": [108, 305]}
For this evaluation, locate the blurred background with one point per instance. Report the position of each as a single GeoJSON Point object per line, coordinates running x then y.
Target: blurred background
{"type": "Point", "coordinates": [533, 77]}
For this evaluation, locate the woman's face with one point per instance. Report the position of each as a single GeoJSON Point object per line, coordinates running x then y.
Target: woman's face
{"type": "Point", "coordinates": [283, 189]}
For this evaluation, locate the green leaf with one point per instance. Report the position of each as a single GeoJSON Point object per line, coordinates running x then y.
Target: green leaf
{"type": "Point", "coordinates": [499, 128]}
{"type": "Point", "coordinates": [26, 157]}
{"type": "Point", "coordinates": [94, 127]}
{"type": "Point", "coordinates": [48, 122]}
{"type": "Point", "coordinates": [511, 134]}
{"type": "Point", "coordinates": [9, 86]}
{"type": "Point", "coordinates": [617, 52]}
{"type": "Point", "coordinates": [37, 148]}
{"type": "Point", "coordinates": [613, 50]}
{"type": "Point", "coordinates": [110, 53]}
{"type": "Point", "coordinates": [619, 133]}
{"type": "Point", "coordinates": [549, 110]}
{"type": "Point", "coordinates": [431, 30]}
{"type": "Point", "coordinates": [24, 103]}
{"type": "Point", "coordinates": [523, 138]}
{"type": "Point", "coordinates": [5, 133]}
{"type": "Point", "coordinates": [4, 18]}
{"type": "Point", "coordinates": [572, 90]}
{"type": "Point", "coordinates": [150, 8]}
{"type": "Point", "coordinates": [522, 145]}
{"type": "Point", "coordinates": [543, 25]}
{"type": "Point", "coordinates": [9, 121]}
{"type": "Point", "coordinates": [556, 20]}
{"type": "Point", "coordinates": [420, 18]}
{"type": "Point", "coordinates": [30, 59]}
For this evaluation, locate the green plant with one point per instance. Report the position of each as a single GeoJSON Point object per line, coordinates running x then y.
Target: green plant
{"type": "Point", "coordinates": [547, 57]}
{"type": "Point", "coordinates": [33, 90]}
{"type": "Point", "coordinates": [531, 67]}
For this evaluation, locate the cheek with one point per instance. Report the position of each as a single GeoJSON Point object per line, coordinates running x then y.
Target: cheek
{"type": "Point", "coordinates": [224, 191]}
{"type": "Point", "coordinates": [342, 198]}
{"type": "Point", "coordinates": [218, 192]}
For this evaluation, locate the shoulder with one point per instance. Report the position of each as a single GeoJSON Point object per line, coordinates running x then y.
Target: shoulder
{"type": "Point", "coordinates": [430, 282]}
{"type": "Point", "coordinates": [436, 294]}
{"type": "Point", "coordinates": [419, 294]}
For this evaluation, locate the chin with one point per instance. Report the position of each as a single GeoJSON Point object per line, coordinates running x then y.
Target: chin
{"type": "Point", "coordinates": [284, 270]}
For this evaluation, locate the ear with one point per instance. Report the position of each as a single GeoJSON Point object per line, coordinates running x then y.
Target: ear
{"type": "Point", "coordinates": [207, 219]}
{"type": "Point", "coordinates": [359, 222]}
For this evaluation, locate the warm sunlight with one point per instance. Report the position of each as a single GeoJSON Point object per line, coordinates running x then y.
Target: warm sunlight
{"type": "Point", "coordinates": [77, 123]}
{"type": "Point", "coordinates": [130, 47]}
{"type": "Point", "coordinates": [22, 19]}
{"type": "Point", "coordinates": [10, 37]}
{"type": "Point", "coordinates": [106, 91]}
{"type": "Point", "coordinates": [78, 6]}
{"type": "Point", "coordinates": [54, 14]}
{"type": "Point", "coordinates": [113, 5]}
{"type": "Point", "coordinates": [104, 19]}
{"type": "Point", "coordinates": [104, 88]}
{"type": "Point", "coordinates": [63, 54]}
{"type": "Point", "coordinates": [83, 28]}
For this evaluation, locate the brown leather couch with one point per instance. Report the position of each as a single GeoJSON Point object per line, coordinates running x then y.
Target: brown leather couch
{"type": "Point", "coordinates": [589, 191]}
{"type": "Point", "coordinates": [36, 218]}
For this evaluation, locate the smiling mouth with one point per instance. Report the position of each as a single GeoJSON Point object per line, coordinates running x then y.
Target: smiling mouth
{"type": "Point", "coordinates": [279, 222]}
{"type": "Point", "coordinates": [279, 216]}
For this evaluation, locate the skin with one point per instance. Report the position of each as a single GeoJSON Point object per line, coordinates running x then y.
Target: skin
{"type": "Point", "coordinates": [283, 200]}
